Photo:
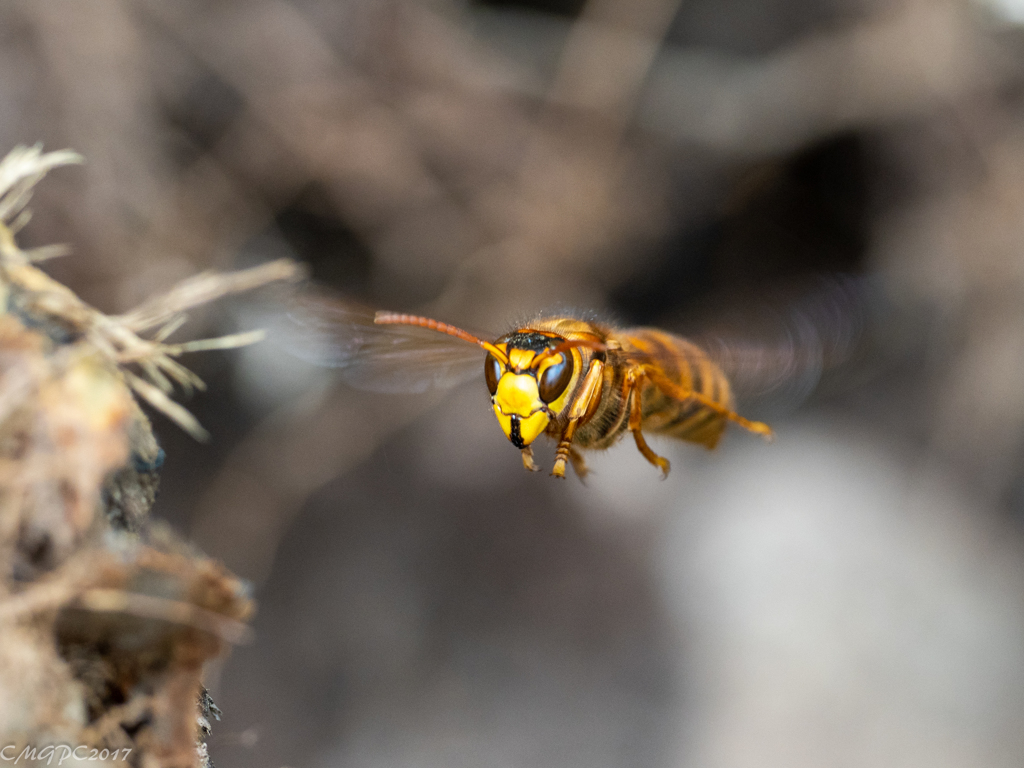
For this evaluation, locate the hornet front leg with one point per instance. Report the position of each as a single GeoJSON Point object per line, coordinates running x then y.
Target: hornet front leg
{"type": "Point", "coordinates": [580, 407]}
{"type": "Point", "coordinates": [528, 461]}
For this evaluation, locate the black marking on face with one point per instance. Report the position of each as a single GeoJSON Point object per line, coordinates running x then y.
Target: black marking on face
{"type": "Point", "coordinates": [531, 340]}
{"type": "Point", "coordinates": [514, 435]}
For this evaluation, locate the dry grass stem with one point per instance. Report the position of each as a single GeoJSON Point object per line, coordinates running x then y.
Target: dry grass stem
{"type": "Point", "coordinates": [116, 337]}
{"type": "Point", "coordinates": [109, 618]}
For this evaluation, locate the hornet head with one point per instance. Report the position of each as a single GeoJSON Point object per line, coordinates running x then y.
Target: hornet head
{"type": "Point", "coordinates": [531, 386]}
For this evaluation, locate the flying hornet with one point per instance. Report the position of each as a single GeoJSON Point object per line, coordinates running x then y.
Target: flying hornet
{"type": "Point", "coordinates": [581, 383]}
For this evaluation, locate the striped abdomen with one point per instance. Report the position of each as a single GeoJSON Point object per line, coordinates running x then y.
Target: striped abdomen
{"type": "Point", "coordinates": [676, 367]}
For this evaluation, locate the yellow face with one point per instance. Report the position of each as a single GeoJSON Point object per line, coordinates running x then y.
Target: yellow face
{"type": "Point", "coordinates": [530, 391]}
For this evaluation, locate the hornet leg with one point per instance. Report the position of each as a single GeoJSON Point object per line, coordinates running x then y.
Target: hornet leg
{"type": "Point", "coordinates": [634, 378]}
{"type": "Point", "coordinates": [591, 388]}
{"type": "Point", "coordinates": [564, 450]}
{"type": "Point", "coordinates": [579, 464]}
{"type": "Point", "coordinates": [527, 454]}
{"type": "Point", "coordinates": [673, 390]}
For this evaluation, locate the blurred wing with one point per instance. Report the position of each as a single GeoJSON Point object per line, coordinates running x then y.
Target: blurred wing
{"type": "Point", "coordinates": [378, 358]}
{"type": "Point", "coordinates": [776, 350]}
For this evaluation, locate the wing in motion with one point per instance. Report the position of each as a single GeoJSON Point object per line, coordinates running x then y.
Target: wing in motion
{"type": "Point", "coordinates": [378, 358]}
{"type": "Point", "coordinates": [778, 349]}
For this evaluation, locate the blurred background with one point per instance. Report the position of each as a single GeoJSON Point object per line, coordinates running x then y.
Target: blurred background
{"type": "Point", "coordinates": [850, 595]}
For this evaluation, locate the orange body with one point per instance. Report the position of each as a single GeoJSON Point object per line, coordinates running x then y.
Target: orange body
{"type": "Point", "coordinates": [651, 381]}
{"type": "Point", "coordinates": [579, 382]}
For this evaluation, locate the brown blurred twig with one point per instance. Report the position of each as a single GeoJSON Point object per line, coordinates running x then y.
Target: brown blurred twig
{"type": "Point", "coordinates": [117, 337]}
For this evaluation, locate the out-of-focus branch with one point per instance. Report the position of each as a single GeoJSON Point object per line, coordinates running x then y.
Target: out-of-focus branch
{"type": "Point", "coordinates": [607, 56]}
{"type": "Point", "coordinates": [205, 288]}
{"type": "Point", "coordinates": [116, 337]}
{"type": "Point", "coordinates": [920, 57]}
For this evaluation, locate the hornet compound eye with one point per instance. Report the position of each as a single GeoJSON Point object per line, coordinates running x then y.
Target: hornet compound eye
{"type": "Point", "coordinates": [492, 372]}
{"type": "Point", "coordinates": [554, 380]}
